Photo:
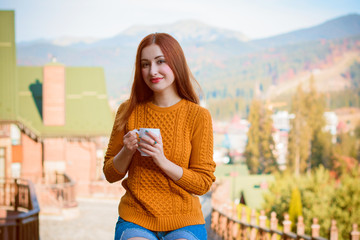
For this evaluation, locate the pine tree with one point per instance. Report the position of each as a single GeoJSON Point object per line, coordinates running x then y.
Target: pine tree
{"type": "Point", "coordinates": [299, 135]}
{"type": "Point", "coordinates": [308, 145]}
{"type": "Point", "coordinates": [252, 152]}
{"type": "Point", "coordinates": [295, 206]}
{"type": "Point", "coordinates": [315, 103]}
{"type": "Point", "coordinates": [260, 146]}
{"type": "Point", "coordinates": [267, 159]}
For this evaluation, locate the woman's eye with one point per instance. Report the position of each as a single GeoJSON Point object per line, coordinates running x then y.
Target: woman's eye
{"type": "Point", "coordinates": [144, 65]}
{"type": "Point", "coordinates": [161, 61]}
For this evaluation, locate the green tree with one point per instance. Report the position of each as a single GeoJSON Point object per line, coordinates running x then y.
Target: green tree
{"type": "Point", "coordinates": [299, 135]}
{"type": "Point", "coordinates": [295, 206]}
{"type": "Point", "coordinates": [317, 190]}
{"type": "Point", "coordinates": [267, 159]}
{"type": "Point", "coordinates": [347, 203]}
{"type": "Point", "coordinates": [252, 151]}
{"type": "Point", "coordinates": [279, 195]}
{"type": "Point", "coordinates": [308, 145]}
{"type": "Point", "coordinates": [322, 197]}
{"type": "Point", "coordinates": [259, 151]}
{"type": "Point", "coordinates": [315, 120]}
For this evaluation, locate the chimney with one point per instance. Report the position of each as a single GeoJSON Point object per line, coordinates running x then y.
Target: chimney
{"type": "Point", "coordinates": [53, 91]}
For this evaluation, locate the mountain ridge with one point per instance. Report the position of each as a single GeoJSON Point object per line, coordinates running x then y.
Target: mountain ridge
{"type": "Point", "coordinates": [209, 58]}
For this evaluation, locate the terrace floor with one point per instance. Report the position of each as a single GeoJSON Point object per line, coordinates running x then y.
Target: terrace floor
{"type": "Point", "coordinates": [94, 219]}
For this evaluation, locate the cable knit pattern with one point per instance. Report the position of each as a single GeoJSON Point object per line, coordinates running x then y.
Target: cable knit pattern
{"type": "Point", "coordinates": [152, 199]}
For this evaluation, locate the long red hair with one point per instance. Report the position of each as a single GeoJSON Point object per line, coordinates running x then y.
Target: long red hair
{"type": "Point", "coordinates": [175, 58]}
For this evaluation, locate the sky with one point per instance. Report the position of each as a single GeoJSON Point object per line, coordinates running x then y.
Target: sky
{"type": "Point", "coordinates": [51, 19]}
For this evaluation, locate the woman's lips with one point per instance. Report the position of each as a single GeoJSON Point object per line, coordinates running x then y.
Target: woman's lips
{"type": "Point", "coordinates": [155, 80]}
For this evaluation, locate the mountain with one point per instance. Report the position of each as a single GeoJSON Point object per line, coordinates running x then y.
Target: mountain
{"type": "Point", "coordinates": [217, 57]}
{"type": "Point", "coordinates": [340, 27]}
{"type": "Point", "coordinates": [188, 30]}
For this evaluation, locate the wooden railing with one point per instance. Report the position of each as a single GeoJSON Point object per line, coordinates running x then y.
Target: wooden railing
{"type": "Point", "coordinates": [65, 190]}
{"type": "Point", "coordinates": [19, 210]}
{"type": "Point", "coordinates": [225, 223]}
{"type": "Point", "coordinates": [57, 193]}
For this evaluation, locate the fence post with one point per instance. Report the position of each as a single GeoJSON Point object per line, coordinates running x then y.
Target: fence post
{"type": "Point", "coordinates": [262, 219]}
{"type": "Point", "coordinates": [273, 225]}
{"type": "Point", "coordinates": [287, 223]}
{"type": "Point", "coordinates": [273, 221]}
{"type": "Point", "coordinates": [243, 228]}
{"type": "Point", "coordinates": [16, 195]}
{"type": "Point", "coordinates": [315, 228]}
{"type": "Point", "coordinates": [355, 233]}
{"type": "Point", "coordinates": [333, 231]}
{"type": "Point", "coordinates": [243, 215]}
{"type": "Point", "coordinates": [253, 222]}
{"type": "Point", "coordinates": [262, 224]}
{"type": "Point", "coordinates": [300, 226]}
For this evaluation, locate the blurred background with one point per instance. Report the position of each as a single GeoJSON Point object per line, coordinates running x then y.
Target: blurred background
{"type": "Point", "coordinates": [280, 78]}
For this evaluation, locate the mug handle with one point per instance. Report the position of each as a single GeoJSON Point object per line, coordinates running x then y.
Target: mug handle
{"type": "Point", "coordinates": [136, 130]}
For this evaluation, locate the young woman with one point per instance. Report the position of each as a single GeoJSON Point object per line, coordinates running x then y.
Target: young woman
{"type": "Point", "coordinates": [160, 200]}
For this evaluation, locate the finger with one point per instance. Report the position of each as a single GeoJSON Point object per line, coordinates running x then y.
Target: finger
{"type": "Point", "coordinates": [147, 140]}
{"type": "Point", "coordinates": [146, 146]}
{"type": "Point", "coordinates": [133, 142]}
{"type": "Point", "coordinates": [153, 136]}
{"type": "Point", "coordinates": [144, 150]}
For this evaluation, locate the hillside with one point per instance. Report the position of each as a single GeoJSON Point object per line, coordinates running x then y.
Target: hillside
{"type": "Point", "coordinates": [231, 68]}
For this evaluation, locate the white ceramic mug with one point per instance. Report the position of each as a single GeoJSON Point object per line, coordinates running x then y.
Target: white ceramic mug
{"type": "Point", "coordinates": [142, 133]}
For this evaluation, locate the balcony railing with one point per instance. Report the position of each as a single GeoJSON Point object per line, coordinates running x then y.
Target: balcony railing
{"type": "Point", "coordinates": [226, 224]}
{"type": "Point", "coordinates": [57, 193]}
{"type": "Point", "coordinates": [19, 210]}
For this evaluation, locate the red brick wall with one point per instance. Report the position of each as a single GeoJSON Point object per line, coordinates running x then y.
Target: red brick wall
{"type": "Point", "coordinates": [31, 167]}
{"type": "Point", "coordinates": [54, 95]}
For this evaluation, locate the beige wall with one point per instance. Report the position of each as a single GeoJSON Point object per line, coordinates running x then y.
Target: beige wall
{"type": "Point", "coordinates": [5, 142]}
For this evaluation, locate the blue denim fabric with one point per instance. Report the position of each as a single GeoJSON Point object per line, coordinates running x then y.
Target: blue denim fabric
{"type": "Point", "coordinates": [125, 230]}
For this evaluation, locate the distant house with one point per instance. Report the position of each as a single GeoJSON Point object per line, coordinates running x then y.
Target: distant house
{"type": "Point", "coordinates": [53, 118]}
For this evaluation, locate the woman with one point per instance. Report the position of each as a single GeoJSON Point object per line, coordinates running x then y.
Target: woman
{"type": "Point", "coordinates": [160, 200]}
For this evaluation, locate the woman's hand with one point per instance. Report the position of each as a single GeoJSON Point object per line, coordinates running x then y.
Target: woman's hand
{"type": "Point", "coordinates": [153, 146]}
{"type": "Point", "coordinates": [130, 142]}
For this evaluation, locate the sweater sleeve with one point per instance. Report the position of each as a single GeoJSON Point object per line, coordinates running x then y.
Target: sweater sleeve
{"type": "Point", "coordinates": [114, 147]}
{"type": "Point", "coordinates": [199, 176]}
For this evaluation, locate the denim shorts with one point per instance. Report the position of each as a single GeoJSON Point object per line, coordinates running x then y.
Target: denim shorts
{"type": "Point", "coordinates": [125, 230]}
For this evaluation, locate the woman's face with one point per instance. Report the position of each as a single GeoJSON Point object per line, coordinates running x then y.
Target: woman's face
{"type": "Point", "coordinates": [155, 71]}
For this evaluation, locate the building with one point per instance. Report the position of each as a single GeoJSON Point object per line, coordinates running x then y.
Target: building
{"type": "Point", "coordinates": [53, 118]}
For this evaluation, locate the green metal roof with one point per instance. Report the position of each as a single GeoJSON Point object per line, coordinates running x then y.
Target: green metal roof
{"type": "Point", "coordinates": [250, 185]}
{"type": "Point", "coordinates": [244, 182]}
{"type": "Point", "coordinates": [87, 112]}
{"type": "Point", "coordinates": [8, 104]}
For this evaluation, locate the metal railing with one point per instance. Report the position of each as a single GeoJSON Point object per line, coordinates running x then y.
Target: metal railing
{"type": "Point", "coordinates": [19, 210]}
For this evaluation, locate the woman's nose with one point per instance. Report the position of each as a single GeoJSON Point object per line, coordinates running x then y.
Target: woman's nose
{"type": "Point", "coordinates": [153, 69]}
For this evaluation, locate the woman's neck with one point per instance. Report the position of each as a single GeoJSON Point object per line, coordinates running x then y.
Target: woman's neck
{"type": "Point", "coordinates": [161, 100]}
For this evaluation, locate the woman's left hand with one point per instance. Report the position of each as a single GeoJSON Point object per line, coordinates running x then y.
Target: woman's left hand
{"type": "Point", "coordinates": [153, 146]}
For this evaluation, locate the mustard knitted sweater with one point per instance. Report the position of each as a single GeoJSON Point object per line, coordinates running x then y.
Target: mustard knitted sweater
{"type": "Point", "coordinates": [152, 199]}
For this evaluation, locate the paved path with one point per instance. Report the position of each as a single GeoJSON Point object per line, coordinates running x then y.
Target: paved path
{"type": "Point", "coordinates": [96, 220]}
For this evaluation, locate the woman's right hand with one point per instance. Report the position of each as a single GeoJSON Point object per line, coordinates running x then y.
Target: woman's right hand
{"type": "Point", "coordinates": [130, 142]}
